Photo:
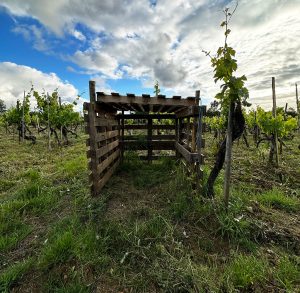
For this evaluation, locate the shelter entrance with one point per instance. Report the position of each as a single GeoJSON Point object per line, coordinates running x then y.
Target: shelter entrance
{"type": "Point", "coordinates": [151, 126]}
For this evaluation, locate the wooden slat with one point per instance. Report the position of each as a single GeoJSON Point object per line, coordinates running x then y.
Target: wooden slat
{"type": "Point", "coordinates": [104, 164]}
{"type": "Point", "coordinates": [146, 101]}
{"type": "Point", "coordinates": [107, 148]}
{"type": "Point", "coordinates": [156, 157]}
{"type": "Point", "coordinates": [188, 112]}
{"type": "Point", "coordinates": [146, 116]}
{"type": "Point", "coordinates": [100, 184]}
{"type": "Point", "coordinates": [100, 108]}
{"type": "Point", "coordinates": [105, 122]}
{"type": "Point", "coordinates": [189, 157]}
{"type": "Point", "coordinates": [145, 126]}
{"type": "Point", "coordinates": [154, 137]}
{"type": "Point", "coordinates": [155, 145]}
{"type": "Point", "coordinates": [104, 136]}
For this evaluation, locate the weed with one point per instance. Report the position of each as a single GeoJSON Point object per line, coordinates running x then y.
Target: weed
{"type": "Point", "coordinates": [6, 185]}
{"type": "Point", "coordinates": [245, 270]}
{"type": "Point", "coordinates": [61, 249]}
{"type": "Point", "coordinates": [287, 273]}
{"type": "Point", "coordinates": [232, 223]}
{"type": "Point", "coordinates": [73, 168]}
{"type": "Point", "coordinates": [32, 174]}
{"type": "Point", "coordinates": [275, 198]}
{"type": "Point", "coordinates": [92, 248]}
{"type": "Point", "coordinates": [13, 274]}
{"type": "Point", "coordinates": [12, 230]}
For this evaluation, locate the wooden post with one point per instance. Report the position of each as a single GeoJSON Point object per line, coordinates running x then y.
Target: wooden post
{"type": "Point", "coordinates": [92, 136]}
{"type": "Point", "coordinates": [49, 143]}
{"type": "Point", "coordinates": [149, 139]}
{"type": "Point", "coordinates": [177, 135]}
{"type": "Point", "coordinates": [59, 99]}
{"type": "Point", "coordinates": [18, 109]}
{"type": "Point", "coordinates": [285, 109]}
{"type": "Point", "coordinates": [188, 131]}
{"type": "Point", "coordinates": [122, 133]}
{"type": "Point", "coordinates": [199, 144]}
{"type": "Point", "coordinates": [228, 155]}
{"type": "Point", "coordinates": [23, 119]}
{"type": "Point", "coordinates": [274, 115]}
{"type": "Point", "coordinates": [297, 107]}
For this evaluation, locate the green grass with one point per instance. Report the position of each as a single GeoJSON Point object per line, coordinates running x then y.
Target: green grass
{"type": "Point", "coordinates": [59, 250]}
{"type": "Point", "coordinates": [277, 199]}
{"type": "Point", "coordinates": [13, 274]}
{"type": "Point", "coordinates": [287, 273]}
{"type": "Point", "coordinates": [148, 231]}
{"type": "Point", "coordinates": [12, 231]}
{"type": "Point", "coordinates": [246, 270]}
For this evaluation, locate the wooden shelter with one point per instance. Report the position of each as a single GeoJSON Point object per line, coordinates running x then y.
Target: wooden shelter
{"type": "Point", "coordinates": [160, 124]}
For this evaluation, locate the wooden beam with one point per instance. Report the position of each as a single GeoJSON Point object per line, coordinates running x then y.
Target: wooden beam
{"type": "Point", "coordinates": [160, 109]}
{"type": "Point", "coordinates": [145, 145]}
{"type": "Point", "coordinates": [146, 116]}
{"type": "Point", "coordinates": [188, 156]}
{"type": "Point", "coordinates": [144, 137]}
{"type": "Point", "coordinates": [145, 101]}
{"type": "Point", "coordinates": [145, 126]}
{"type": "Point", "coordinates": [156, 157]}
{"type": "Point", "coordinates": [142, 108]}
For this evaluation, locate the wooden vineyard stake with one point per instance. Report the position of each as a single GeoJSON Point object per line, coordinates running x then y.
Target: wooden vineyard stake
{"type": "Point", "coordinates": [228, 155]}
{"type": "Point", "coordinates": [49, 142]}
{"type": "Point", "coordinates": [297, 107]}
{"type": "Point", "coordinates": [274, 115]}
{"type": "Point", "coordinates": [23, 119]}
{"type": "Point", "coordinates": [199, 145]}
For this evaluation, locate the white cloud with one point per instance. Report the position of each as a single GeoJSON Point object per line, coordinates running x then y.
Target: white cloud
{"type": "Point", "coordinates": [96, 61]}
{"type": "Point", "coordinates": [15, 79]}
{"type": "Point", "coordinates": [165, 41]}
{"type": "Point", "coordinates": [34, 34]}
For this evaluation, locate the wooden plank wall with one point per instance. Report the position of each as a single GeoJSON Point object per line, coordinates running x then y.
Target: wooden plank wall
{"type": "Point", "coordinates": [102, 126]}
{"type": "Point", "coordinates": [145, 132]}
{"type": "Point", "coordinates": [186, 143]}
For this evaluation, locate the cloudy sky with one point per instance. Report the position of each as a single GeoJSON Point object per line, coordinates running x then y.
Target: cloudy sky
{"type": "Point", "coordinates": [125, 45]}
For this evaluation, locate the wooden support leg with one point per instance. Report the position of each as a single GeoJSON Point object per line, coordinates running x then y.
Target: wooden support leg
{"type": "Point", "coordinates": [149, 138]}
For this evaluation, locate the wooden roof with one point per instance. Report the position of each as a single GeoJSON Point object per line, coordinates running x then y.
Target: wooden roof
{"type": "Point", "coordinates": [146, 103]}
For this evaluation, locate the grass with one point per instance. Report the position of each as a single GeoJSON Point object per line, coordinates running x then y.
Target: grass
{"type": "Point", "coordinates": [288, 273]}
{"type": "Point", "coordinates": [277, 199]}
{"type": "Point", "coordinates": [147, 232]}
{"type": "Point", "coordinates": [13, 274]}
{"type": "Point", "coordinates": [244, 271]}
